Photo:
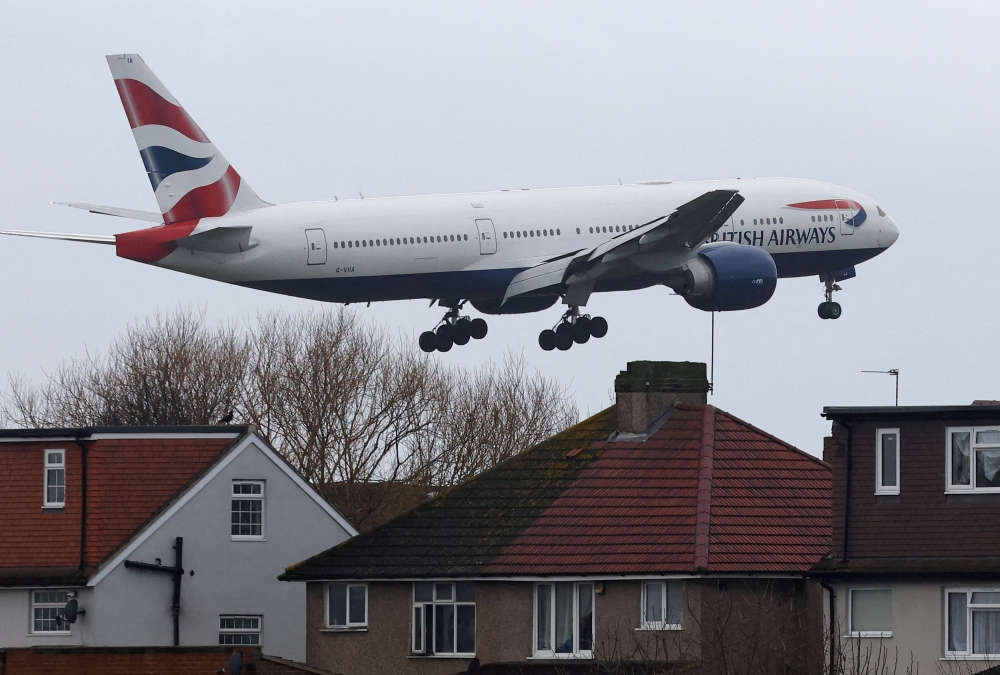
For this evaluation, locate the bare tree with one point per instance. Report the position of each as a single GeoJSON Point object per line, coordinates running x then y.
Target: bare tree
{"type": "Point", "coordinates": [362, 415]}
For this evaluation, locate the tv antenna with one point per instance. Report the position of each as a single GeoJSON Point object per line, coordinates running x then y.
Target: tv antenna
{"type": "Point", "coordinates": [892, 371]}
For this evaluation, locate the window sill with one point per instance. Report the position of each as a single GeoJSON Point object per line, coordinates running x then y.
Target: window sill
{"type": "Point", "coordinates": [344, 629]}
{"type": "Point", "coordinates": [869, 634]}
{"type": "Point", "coordinates": [441, 656]}
{"type": "Point", "coordinates": [886, 492]}
{"type": "Point", "coordinates": [583, 656]}
{"type": "Point", "coordinates": [247, 538]}
{"type": "Point", "coordinates": [54, 508]}
{"type": "Point", "coordinates": [970, 657]}
{"type": "Point", "coordinates": [660, 626]}
{"type": "Point", "coordinates": [50, 634]}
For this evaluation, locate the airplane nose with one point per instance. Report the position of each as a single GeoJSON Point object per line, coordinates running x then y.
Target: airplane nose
{"type": "Point", "coordinates": [890, 232]}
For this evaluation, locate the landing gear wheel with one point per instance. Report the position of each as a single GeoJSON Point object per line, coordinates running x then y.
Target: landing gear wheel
{"type": "Point", "coordinates": [443, 338]}
{"type": "Point", "coordinates": [598, 327]}
{"type": "Point", "coordinates": [564, 339]}
{"type": "Point", "coordinates": [478, 329]}
{"type": "Point", "coordinates": [823, 310]}
{"type": "Point", "coordinates": [427, 341]}
{"type": "Point", "coordinates": [581, 333]}
{"type": "Point", "coordinates": [462, 332]}
{"type": "Point", "coordinates": [547, 340]}
{"type": "Point", "coordinates": [834, 310]}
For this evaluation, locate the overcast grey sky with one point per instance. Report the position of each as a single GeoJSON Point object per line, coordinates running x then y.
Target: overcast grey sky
{"type": "Point", "coordinates": [310, 100]}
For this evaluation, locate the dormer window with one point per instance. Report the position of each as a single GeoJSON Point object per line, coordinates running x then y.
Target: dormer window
{"type": "Point", "coordinates": [55, 479]}
{"type": "Point", "coordinates": [972, 458]}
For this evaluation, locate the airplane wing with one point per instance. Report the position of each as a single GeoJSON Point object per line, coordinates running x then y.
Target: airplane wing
{"type": "Point", "coordinates": [134, 214]}
{"type": "Point", "coordinates": [89, 238]}
{"type": "Point", "coordinates": [686, 228]}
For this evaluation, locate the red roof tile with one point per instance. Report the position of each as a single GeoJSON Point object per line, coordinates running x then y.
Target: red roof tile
{"type": "Point", "coordinates": [128, 482]}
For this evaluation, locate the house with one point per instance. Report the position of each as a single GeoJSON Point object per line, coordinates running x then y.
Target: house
{"type": "Point", "coordinates": [661, 529]}
{"type": "Point", "coordinates": [915, 564]}
{"type": "Point", "coordinates": [161, 535]}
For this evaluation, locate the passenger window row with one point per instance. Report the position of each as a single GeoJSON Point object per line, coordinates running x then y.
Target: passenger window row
{"type": "Point", "coordinates": [532, 233]}
{"type": "Point", "coordinates": [610, 229]}
{"type": "Point", "coordinates": [767, 221]}
{"type": "Point", "coordinates": [402, 241]}
{"type": "Point", "coordinates": [823, 219]}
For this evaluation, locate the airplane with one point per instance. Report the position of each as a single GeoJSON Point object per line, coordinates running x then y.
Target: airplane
{"type": "Point", "coordinates": [721, 245]}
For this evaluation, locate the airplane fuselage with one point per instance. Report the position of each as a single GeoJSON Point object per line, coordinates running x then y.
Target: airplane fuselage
{"type": "Point", "coordinates": [470, 246]}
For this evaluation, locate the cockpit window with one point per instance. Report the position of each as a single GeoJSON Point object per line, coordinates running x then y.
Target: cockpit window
{"type": "Point", "coordinates": [880, 211]}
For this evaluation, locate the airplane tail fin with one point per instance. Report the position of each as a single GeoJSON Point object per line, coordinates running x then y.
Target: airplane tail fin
{"type": "Point", "coordinates": [190, 177]}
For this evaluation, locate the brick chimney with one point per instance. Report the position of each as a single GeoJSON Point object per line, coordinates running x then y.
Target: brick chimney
{"type": "Point", "coordinates": [647, 389]}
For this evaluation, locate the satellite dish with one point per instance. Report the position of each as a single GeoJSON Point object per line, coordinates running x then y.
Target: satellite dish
{"type": "Point", "coordinates": [236, 663]}
{"type": "Point", "coordinates": [72, 611]}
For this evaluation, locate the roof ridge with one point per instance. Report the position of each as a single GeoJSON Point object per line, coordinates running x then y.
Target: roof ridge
{"type": "Point", "coordinates": [774, 438]}
{"type": "Point", "coordinates": [703, 506]}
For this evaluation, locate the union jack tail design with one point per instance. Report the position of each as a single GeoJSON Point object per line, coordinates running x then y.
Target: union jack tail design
{"type": "Point", "coordinates": [190, 177]}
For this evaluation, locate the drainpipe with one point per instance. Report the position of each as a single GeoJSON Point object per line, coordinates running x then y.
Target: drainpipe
{"type": "Point", "coordinates": [833, 627]}
{"type": "Point", "coordinates": [847, 489]}
{"type": "Point", "coordinates": [83, 501]}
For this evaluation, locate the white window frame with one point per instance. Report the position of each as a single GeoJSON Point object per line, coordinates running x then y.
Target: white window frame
{"type": "Point", "coordinates": [348, 624]}
{"type": "Point", "coordinates": [850, 615]}
{"type": "Point", "coordinates": [48, 605]}
{"type": "Point", "coordinates": [665, 593]}
{"type": "Point", "coordinates": [419, 651]}
{"type": "Point", "coordinates": [263, 509]}
{"type": "Point", "coordinates": [60, 465]}
{"type": "Point", "coordinates": [259, 631]}
{"type": "Point", "coordinates": [879, 488]}
{"type": "Point", "coordinates": [551, 653]}
{"type": "Point", "coordinates": [971, 487]}
{"type": "Point", "coordinates": [969, 608]}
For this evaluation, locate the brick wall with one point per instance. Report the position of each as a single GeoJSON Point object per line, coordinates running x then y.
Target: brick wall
{"type": "Point", "coordinates": [120, 660]}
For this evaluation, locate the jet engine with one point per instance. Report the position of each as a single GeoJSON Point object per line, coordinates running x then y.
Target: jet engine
{"type": "Point", "coordinates": [726, 278]}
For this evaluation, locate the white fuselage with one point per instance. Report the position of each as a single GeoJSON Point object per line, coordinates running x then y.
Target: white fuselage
{"type": "Point", "coordinates": [466, 246]}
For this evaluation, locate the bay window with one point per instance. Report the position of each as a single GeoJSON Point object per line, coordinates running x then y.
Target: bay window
{"type": "Point", "coordinates": [973, 622]}
{"type": "Point", "coordinates": [564, 619]}
{"type": "Point", "coordinates": [972, 459]}
{"type": "Point", "coordinates": [444, 618]}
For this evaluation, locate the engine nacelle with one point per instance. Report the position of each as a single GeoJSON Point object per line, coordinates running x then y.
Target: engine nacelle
{"type": "Point", "coordinates": [727, 278]}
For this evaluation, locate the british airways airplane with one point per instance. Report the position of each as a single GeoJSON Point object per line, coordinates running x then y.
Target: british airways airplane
{"type": "Point", "coordinates": [721, 245]}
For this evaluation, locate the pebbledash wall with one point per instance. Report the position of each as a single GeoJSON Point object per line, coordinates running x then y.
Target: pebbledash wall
{"type": "Point", "coordinates": [128, 607]}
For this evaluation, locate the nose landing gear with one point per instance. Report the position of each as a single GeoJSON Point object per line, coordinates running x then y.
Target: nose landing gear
{"type": "Point", "coordinates": [453, 330]}
{"type": "Point", "coordinates": [572, 328]}
{"type": "Point", "coordinates": [829, 309]}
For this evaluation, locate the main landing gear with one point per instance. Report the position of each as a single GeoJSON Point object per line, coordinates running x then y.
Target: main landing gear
{"type": "Point", "coordinates": [829, 309]}
{"type": "Point", "coordinates": [572, 328]}
{"type": "Point", "coordinates": [453, 330]}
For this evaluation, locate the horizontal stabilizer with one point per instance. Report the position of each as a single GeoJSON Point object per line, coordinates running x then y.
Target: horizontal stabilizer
{"type": "Point", "coordinates": [88, 238]}
{"type": "Point", "coordinates": [115, 211]}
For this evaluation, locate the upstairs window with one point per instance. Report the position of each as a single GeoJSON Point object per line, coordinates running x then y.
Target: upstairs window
{"type": "Point", "coordinates": [662, 605]}
{"type": "Point", "coordinates": [55, 478]}
{"type": "Point", "coordinates": [871, 612]}
{"type": "Point", "coordinates": [444, 618]}
{"type": "Point", "coordinates": [247, 513]}
{"type": "Point", "coordinates": [564, 620]}
{"type": "Point", "coordinates": [239, 630]}
{"type": "Point", "coordinates": [973, 622]}
{"type": "Point", "coordinates": [972, 459]}
{"type": "Point", "coordinates": [887, 462]}
{"type": "Point", "coordinates": [347, 606]}
{"type": "Point", "coordinates": [47, 608]}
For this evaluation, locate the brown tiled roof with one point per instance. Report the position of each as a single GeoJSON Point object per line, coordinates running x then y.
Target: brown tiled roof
{"type": "Point", "coordinates": [129, 481]}
{"type": "Point", "coordinates": [936, 567]}
{"type": "Point", "coordinates": [707, 492]}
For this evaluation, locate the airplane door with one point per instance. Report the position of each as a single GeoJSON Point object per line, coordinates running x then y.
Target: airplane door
{"type": "Point", "coordinates": [316, 243]}
{"type": "Point", "coordinates": [846, 214]}
{"type": "Point", "coordinates": [487, 236]}
{"type": "Point", "coordinates": [728, 230]}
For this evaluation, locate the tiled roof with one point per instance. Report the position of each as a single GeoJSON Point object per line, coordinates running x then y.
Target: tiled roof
{"type": "Point", "coordinates": [707, 492]}
{"type": "Point", "coordinates": [129, 481]}
{"type": "Point", "coordinates": [964, 566]}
